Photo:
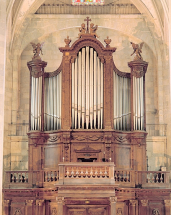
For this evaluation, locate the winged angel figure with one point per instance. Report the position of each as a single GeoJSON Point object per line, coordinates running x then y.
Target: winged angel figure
{"type": "Point", "coordinates": [37, 49]}
{"type": "Point", "coordinates": [137, 51]}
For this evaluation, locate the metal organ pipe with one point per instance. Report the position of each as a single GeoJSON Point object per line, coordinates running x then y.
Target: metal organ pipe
{"type": "Point", "coordinates": [36, 100]}
{"type": "Point", "coordinates": [122, 102]}
{"type": "Point", "coordinates": [138, 103]}
{"type": "Point", "coordinates": [87, 90]}
{"type": "Point", "coordinates": [52, 104]}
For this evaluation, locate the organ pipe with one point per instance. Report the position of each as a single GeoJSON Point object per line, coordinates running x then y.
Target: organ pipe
{"type": "Point", "coordinates": [52, 105]}
{"type": "Point", "coordinates": [138, 103]}
{"type": "Point", "coordinates": [87, 90]}
{"type": "Point", "coordinates": [122, 102]}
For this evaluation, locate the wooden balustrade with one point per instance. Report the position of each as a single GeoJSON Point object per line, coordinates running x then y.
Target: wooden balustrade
{"type": "Point", "coordinates": [86, 173]}
{"type": "Point", "coordinates": [153, 178]}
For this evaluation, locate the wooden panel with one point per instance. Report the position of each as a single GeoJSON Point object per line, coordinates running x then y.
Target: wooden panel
{"type": "Point", "coordinates": [52, 156]}
{"type": "Point", "coordinates": [156, 208]}
{"type": "Point", "coordinates": [36, 158]}
{"type": "Point", "coordinates": [122, 157]}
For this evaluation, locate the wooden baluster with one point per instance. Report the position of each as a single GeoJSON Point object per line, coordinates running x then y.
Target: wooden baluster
{"type": "Point", "coordinates": [162, 178]}
{"type": "Point", "coordinates": [86, 172]}
{"type": "Point", "coordinates": [115, 175]}
{"type": "Point", "coordinates": [47, 176]}
{"type": "Point", "coordinates": [54, 176]}
{"type": "Point", "coordinates": [12, 177]}
{"type": "Point", "coordinates": [91, 173]}
{"type": "Point", "coordinates": [152, 177]}
{"type": "Point", "coordinates": [148, 177]}
{"type": "Point", "coordinates": [72, 172]}
{"type": "Point", "coordinates": [16, 177]}
{"type": "Point", "coordinates": [157, 178]}
{"type": "Point", "coordinates": [68, 172]}
{"type": "Point", "coordinates": [101, 172]}
{"type": "Point", "coordinates": [96, 172]}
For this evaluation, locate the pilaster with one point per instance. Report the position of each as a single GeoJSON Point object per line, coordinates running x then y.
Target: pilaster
{"type": "Point", "coordinates": [113, 201]}
{"type": "Point", "coordinates": [29, 207]}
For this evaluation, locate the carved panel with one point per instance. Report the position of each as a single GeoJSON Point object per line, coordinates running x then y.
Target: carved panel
{"type": "Point", "coordinates": [52, 156]}
{"type": "Point", "coordinates": [120, 139]}
{"type": "Point", "coordinates": [122, 157]}
{"type": "Point", "coordinates": [87, 137]}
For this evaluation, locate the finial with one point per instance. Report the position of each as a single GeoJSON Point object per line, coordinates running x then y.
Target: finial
{"type": "Point", "coordinates": [107, 41]}
{"type": "Point", "coordinates": [67, 41]}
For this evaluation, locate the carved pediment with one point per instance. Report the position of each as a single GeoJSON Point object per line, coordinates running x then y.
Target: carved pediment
{"type": "Point", "coordinates": [87, 149]}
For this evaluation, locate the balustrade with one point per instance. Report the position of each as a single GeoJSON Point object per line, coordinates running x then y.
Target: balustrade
{"type": "Point", "coordinates": [86, 173]}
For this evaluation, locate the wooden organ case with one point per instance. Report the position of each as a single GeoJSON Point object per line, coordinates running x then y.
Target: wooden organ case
{"type": "Point", "coordinates": [87, 135]}
{"type": "Point", "coordinates": [87, 110]}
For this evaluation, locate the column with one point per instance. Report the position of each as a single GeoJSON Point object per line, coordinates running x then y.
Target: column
{"type": "Point", "coordinates": [132, 207]}
{"type": "Point", "coordinates": [40, 209]}
{"type": "Point", "coordinates": [108, 92]}
{"type": "Point", "coordinates": [2, 89]}
{"type": "Point", "coordinates": [167, 207]}
{"type": "Point", "coordinates": [60, 201]}
{"type": "Point", "coordinates": [113, 201]}
{"type": "Point", "coordinates": [6, 207]}
{"type": "Point", "coordinates": [144, 206]}
{"type": "Point", "coordinates": [29, 207]}
{"type": "Point", "coordinates": [66, 91]}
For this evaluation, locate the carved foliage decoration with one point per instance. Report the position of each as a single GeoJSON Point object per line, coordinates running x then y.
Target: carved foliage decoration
{"type": "Point", "coordinates": [17, 211]}
{"type": "Point", "coordinates": [53, 139]}
{"type": "Point", "coordinates": [121, 139]}
{"type": "Point", "coordinates": [87, 138]}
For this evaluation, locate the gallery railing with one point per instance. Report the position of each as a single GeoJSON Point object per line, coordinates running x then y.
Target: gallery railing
{"type": "Point", "coordinates": [87, 173]}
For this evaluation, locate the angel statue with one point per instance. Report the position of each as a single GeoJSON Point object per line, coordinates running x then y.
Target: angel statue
{"type": "Point", "coordinates": [37, 49]}
{"type": "Point", "coordinates": [82, 30]}
{"type": "Point", "coordinates": [93, 29]}
{"type": "Point", "coordinates": [137, 50]}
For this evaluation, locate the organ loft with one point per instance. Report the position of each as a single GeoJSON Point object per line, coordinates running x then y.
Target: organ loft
{"type": "Point", "coordinates": [87, 136]}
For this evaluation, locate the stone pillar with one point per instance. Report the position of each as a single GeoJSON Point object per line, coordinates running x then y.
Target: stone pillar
{"type": "Point", "coordinates": [113, 201]}
{"type": "Point", "coordinates": [2, 88]}
{"type": "Point", "coordinates": [6, 207]}
{"type": "Point", "coordinates": [144, 206]}
{"type": "Point", "coordinates": [40, 209]}
{"type": "Point", "coordinates": [60, 201]}
{"type": "Point", "coordinates": [132, 207]}
{"type": "Point", "coordinates": [29, 207]}
{"type": "Point", "coordinates": [167, 207]}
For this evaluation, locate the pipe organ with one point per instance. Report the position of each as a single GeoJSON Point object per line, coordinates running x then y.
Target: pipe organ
{"type": "Point", "coordinates": [87, 97]}
{"type": "Point", "coordinates": [87, 90]}
{"type": "Point", "coordinates": [87, 111]}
